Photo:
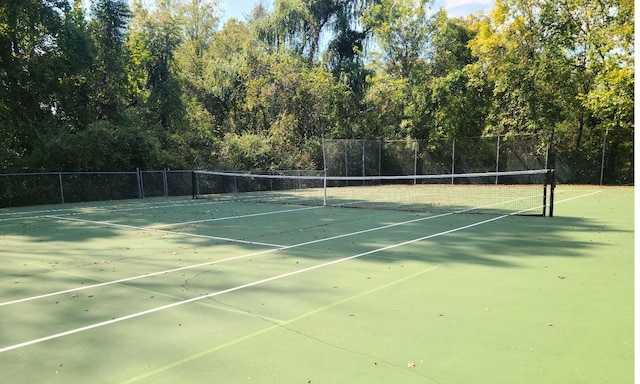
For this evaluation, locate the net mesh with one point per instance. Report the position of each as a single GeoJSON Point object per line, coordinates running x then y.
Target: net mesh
{"type": "Point", "coordinates": [517, 192]}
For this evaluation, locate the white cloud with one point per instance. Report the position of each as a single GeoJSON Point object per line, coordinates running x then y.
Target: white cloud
{"type": "Point", "coordinates": [449, 4]}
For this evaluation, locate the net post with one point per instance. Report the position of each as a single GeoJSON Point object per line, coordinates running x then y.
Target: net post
{"type": "Point", "coordinates": [545, 186]}
{"type": "Point", "coordinates": [324, 165]}
{"type": "Point", "coordinates": [552, 176]}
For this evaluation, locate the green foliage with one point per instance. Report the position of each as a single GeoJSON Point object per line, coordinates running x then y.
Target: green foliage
{"type": "Point", "coordinates": [164, 85]}
{"type": "Point", "coordinates": [108, 28]}
{"type": "Point", "coordinates": [401, 28]}
{"type": "Point", "coordinates": [102, 146]}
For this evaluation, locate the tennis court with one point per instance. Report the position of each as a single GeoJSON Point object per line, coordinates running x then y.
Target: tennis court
{"type": "Point", "coordinates": [181, 290]}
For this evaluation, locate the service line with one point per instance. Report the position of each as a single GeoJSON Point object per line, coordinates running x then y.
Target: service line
{"type": "Point", "coordinates": [209, 263]}
{"type": "Point", "coordinates": [258, 282]}
{"type": "Point", "coordinates": [248, 285]}
{"type": "Point", "coordinates": [106, 223]}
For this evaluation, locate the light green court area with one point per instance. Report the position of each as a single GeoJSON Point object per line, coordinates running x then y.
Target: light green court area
{"type": "Point", "coordinates": [184, 291]}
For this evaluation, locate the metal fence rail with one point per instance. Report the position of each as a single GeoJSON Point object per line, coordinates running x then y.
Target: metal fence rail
{"type": "Point", "coordinates": [22, 189]}
{"type": "Point", "coordinates": [591, 162]}
{"type": "Point", "coordinates": [595, 161]}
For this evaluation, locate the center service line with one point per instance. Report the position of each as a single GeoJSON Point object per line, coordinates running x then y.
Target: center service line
{"type": "Point", "coordinates": [208, 263]}
{"type": "Point", "coordinates": [218, 293]}
{"type": "Point", "coordinates": [248, 285]}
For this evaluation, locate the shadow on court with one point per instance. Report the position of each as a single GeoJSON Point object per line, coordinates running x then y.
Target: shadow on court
{"type": "Point", "coordinates": [474, 301]}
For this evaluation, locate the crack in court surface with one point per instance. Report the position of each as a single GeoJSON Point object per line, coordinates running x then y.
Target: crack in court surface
{"type": "Point", "coordinates": [275, 324]}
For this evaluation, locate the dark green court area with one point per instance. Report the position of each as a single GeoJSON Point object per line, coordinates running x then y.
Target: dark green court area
{"type": "Point", "coordinates": [175, 290]}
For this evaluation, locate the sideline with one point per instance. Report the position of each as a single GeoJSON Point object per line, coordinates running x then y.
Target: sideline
{"type": "Point", "coordinates": [270, 279]}
{"type": "Point", "coordinates": [248, 285]}
{"type": "Point", "coordinates": [81, 210]}
{"type": "Point", "coordinates": [209, 263]}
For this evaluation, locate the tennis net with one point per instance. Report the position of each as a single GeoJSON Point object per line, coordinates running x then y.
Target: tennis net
{"type": "Point", "coordinates": [516, 192]}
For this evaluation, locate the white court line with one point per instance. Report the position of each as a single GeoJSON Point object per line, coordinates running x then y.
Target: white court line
{"type": "Point", "coordinates": [276, 248]}
{"type": "Point", "coordinates": [575, 197]}
{"type": "Point", "coordinates": [106, 223]}
{"type": "Point", "coordinates": [237, 288]}
{"type": "Point", "coordinates": [232, 217]}
{"type": "Point", "coordinates": [101, 208]}
{"type": "Point", "coordinates": [273, 278]}
{"type": "Point", "coordinates": [208, 263]}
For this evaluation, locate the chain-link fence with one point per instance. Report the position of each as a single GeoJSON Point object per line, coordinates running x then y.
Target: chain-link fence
{"type": "Point", "coordinates": [165, 183]}
{"type": "Point", "coordinates": [596, 161]}
{"type": "Point", "coordinates": [606, 158]}
{"type": "Point", "coordinates": [439, 156]}
{"type": "Point", "coordinates": [576, 160]}
{"type": "Point", "coordinates": [21, 189]}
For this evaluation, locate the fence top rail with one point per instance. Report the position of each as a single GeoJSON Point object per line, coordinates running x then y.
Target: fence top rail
{"type": "Point", "coordinates": [507, 136]}
{"type": "Point", "coordinates": [68, 173]}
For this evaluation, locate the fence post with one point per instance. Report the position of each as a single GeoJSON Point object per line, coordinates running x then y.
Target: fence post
{"type": "Point", "coordinates": [165, 185]}
{"type": "Point", "coordinates": [324, 157]}
{"type": "Point", "coordinates": [453, 162]}
{"type": "Point", "coordinates": [140, 183]}
{"type": "Point", "coordinates": [604, 147]}
{"type": "Point", "coordinates": [61, 188]}
{"type": "Point", "coordinates": [364, 171]}
{"type": "Point", "coordinates": [497, 158]}
{"type": "Point", "coordinates": [194, 190]}
{"type": "Point", "coordinates": [346, 161]}
{"type": "Point", "coordinates": [379, 158]}
{"type": "Point", "coordinates": [415, 161]}
{"type": "Point", "coordinates": [546, 158]}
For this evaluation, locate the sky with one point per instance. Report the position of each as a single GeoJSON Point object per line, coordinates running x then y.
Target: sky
{"type": "Point", "coordinates": [240, 8]}
{"type": "Point", "coordinates": [464, 7]}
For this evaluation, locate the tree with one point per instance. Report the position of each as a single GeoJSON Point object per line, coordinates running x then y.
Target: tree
{"type": "Point", "coordinates": [401, 29]}
{"type": "Point", "coordinates": [299, 26]}
{"type": "Point", "coordinates": [108, 27]}
{"type": "Point", "coordinates": [199, 21]}
{"type": "Point", "coordinates": [30, 66]}
{"type": "Point", "coordinates": [78, 55]}
{"type": "Point", "coordinates": [457, 106]}
{"type": "Point", "coordinates": [522, 66]}
{"type": "Point", "coordinates": [194, 66]}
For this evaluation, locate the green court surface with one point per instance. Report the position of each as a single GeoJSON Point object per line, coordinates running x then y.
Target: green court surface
{"type": "Point", "coordinates": [200, 291]}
